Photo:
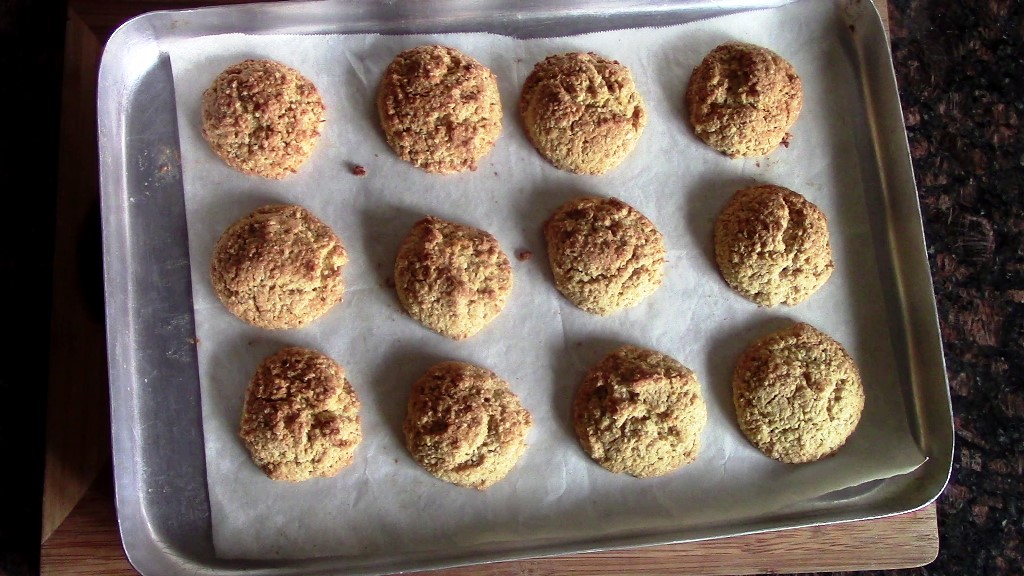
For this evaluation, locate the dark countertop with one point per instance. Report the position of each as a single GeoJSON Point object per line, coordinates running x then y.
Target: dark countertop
{"type": "Point", "coordinates": [960, 69]}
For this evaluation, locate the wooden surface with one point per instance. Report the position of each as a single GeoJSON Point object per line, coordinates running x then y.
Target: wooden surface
{"type": "Point", "coordinates": [78, 422]}
{"type": "Point", "coordinates": [80, 534]}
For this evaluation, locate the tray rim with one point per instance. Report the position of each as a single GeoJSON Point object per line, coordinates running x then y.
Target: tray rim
{"type": "Point", "coordinates": [146, 550]}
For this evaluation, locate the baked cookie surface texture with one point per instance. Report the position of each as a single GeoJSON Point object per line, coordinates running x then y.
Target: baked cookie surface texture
{"type": "Point", "coordinates": [604, 254]}
{"type": "Point", "coordinates": [439, 108]}
{"type": "Point", "coordinates": [464, 425]}
{"type": "Point", "coordinates": [452, 278]}
{"type": "Point", "coordinates": [279, 267]}
{"type": "Point", "coordinates": [772, 245]}
{"type": "Point", "coordinates": [743, 99]}
{"type": "Point", "coordinates": [300, 418]}
{"type": "Point", "coordinates": [798, 394]}
{"type": "Point", "coordinates": [640, 412]}
{"type": "Point", "coordinates": [262, 118]}
{"type": "Point", "coordinates": [582, 112]}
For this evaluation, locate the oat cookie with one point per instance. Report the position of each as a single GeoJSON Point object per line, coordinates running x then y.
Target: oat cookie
{"type": "Point", "coordinates": [772, 245]}
{"type": "Point", "coordinates": [798, 394]}
{"type": "Point", "coordinates": [464, 425]}
{"type": "Point", "coordinates": [582, 112]}
{"type": "Point", "coordinates": [452, 278]}
{"type": "Point", "coordinates": [439, 108]}
{"type": "Point", "coordinates": [279, 267]}
{"type": "Point", "coordinates": [640, 412]}
{"type": "Point", "coordinates": [605, 255]}
{"type": "Point", "coordinates": [743, 99]}
{"type": "Point", "coordinates": [300, 419]}
{"type": "Point", "coordinates": [262, 118]}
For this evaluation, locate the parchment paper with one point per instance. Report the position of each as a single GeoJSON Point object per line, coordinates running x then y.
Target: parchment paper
{"type": "Point", "coordinates": [384, 503]}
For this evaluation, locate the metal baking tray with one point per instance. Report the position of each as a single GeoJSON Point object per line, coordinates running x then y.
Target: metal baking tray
{"type": "Point", "coordinates": [163, 506]}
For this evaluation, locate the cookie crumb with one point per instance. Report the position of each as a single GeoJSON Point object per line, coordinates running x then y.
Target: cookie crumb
{"type": "Point", "coordinates": [785, 140]}
{"type": "Point", "coordinates": [359, 170]}
{"type": "Point", "coordinates": [524, 255]}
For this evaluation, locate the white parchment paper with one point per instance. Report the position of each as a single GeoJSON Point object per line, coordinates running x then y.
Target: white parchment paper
{"type": "Point", "coordinates": [384, 503]}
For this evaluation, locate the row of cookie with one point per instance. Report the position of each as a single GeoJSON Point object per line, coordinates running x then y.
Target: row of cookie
{"type": "Point", "coordinates": [440, 109]}
{"type": "Point", "coordinates": [797, 393]}
{"type": "Point", "coordinates": [281, 267]}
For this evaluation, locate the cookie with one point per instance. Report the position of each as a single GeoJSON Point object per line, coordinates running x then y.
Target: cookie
{"type": "Point", "coordinates": [464, 425]}
{"type": "Point", "coordinates": [439, 108]}
{"type": "Point", "coordinates": [300, 419]}
{"type": "Point", "coordinates": [772, 245]}
{"type": "Point", "coordinates": [604, 254]}
{"type": "Point", "coordinates": [582, 112]}
{"type": "Point", "coordinates": [743, 99]}
{"type": "Point", "coordinates": [640, 412]}
{"type": "Point", "coordinates": [798, 394]}
{"type": "Point", "coordinates": [452, 278]}
{"type": "Point", "coordinates": [262, 118]}
{"type": "Point", "coordinates": [278, 267]}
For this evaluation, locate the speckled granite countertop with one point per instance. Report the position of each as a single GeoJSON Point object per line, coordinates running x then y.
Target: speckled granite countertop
{"type": "Point", "coordinates": [960, 69]}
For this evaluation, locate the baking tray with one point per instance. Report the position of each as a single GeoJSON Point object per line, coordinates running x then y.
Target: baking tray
{"type": "Point", "coordinates": [160, 476]}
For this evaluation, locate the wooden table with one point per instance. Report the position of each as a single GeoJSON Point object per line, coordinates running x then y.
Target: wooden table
{"type": "Point", "coordinates": [80, 534]}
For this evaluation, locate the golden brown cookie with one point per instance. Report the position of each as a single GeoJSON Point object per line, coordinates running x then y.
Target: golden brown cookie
{"type": "Point", "coordinates": [301, 416]}
{"type": "Point", "coordinates": [582, 112]}
{"type": "Point", "coordinates": [605, 255]}
{"type": "Point", "coordinates": [743, 99]}
{"type": "Point", "coordinates": [279, 267]}
{"type": "Point", "coordinates": [262, 118]}
{"type": "Point", "coordinates": [640, 412]}
{"type": "Point", "coordinates": [464, 425]}
{"type": "Point", "coordinates": [772, 245]}
{"type": "Point", "coordinates": [798, 394]}
{"type": "Point", "coordinates": [439, 108]}
{"type": "Point", "coordinates": [452, 278]}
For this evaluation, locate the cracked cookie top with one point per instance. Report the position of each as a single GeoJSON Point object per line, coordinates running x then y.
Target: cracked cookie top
{"type": "Point", "coordinates": [439, 108]}
{"type": "Point", "coordinates": [743, 99]}
{"type": "Point", "coordinates": [640, 412]}
{"type": "Point", "coordinates": [464, 425]}
{"type": "Point", "coordinates": [798, 394]}
{"type": "Point", "coordinates": [605, 255]}
{"type": "Point", "coordinates": [582, 112]}
{"type": "Point", "coordinates": [262, 118]}
{"type": "Point", "coordinates": [279, 267]}
{"type": "Point", "coordinates": [300, 418]}
{"type": "Point", "coordinates": [452, 278]}
{"type": "Point", "coordinates": [772, 245]}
